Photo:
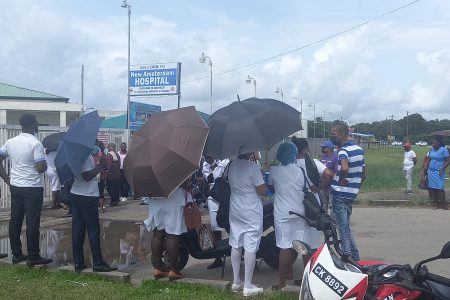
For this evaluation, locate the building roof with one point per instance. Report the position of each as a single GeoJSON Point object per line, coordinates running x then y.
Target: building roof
{"type": "Point", "coordinates": [11, 92]}
{"type": "Point", "coordinates": [121, 121]}
{"type": "Point", "coordinates": [115, 122]}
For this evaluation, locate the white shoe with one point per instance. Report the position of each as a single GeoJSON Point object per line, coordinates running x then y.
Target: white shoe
{"type": "Point", "coordinates": [123, 199]}
{"type": "Point", "coordinates": [253, 290]}
{"type": "Point", "coordinates": [236, 287]}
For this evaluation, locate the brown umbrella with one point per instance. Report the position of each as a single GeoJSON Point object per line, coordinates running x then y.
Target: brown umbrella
{"type": "Point", "coordinates": [441, 133]}
{"type": "Point", "coordinates": [165, 151]}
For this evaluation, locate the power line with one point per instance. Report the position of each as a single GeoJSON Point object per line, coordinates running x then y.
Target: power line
{"type": "Point", "coordinates": [310, 44]}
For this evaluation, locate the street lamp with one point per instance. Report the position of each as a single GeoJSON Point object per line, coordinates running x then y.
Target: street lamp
{"type": "Point", "coordinates": [314, 121]}
{"type": "Point", "coordinates": [280, 91]}
{"type": "Point", "coordinates": [126, 5]}
{"type": "Point", "coordinates": [249, 80]}
{"type": "Point", "coordinates": [202, 60]}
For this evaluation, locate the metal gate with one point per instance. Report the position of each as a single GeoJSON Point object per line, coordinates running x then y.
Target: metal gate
{"type": "Point", "coordinates": [9, 131]}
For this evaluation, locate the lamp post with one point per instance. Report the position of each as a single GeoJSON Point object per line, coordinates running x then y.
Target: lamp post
{"type": "Point", "coordinates": [314, 121]}
{"type": "Point", "coordinates": [202, 60]}
{"type": "Point", "coordinates": [249, 80]}
{"type": "Point", "coordinates": [126, 5]}
{"type": "Point", "coordinates": [280, 91]}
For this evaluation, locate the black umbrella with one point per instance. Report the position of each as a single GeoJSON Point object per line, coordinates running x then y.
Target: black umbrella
{"type": "Point", "coordinates": [441, 133]}
{"type": "Point", "coordinates": [51, 141]}
{"type": "Point", "coordinates": [250, 125]}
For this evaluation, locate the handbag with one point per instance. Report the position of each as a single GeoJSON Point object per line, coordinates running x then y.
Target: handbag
{"type": "Point", "coordinates": [310, 201]}
{"type": "Point", "coordinates": [221, 191]}
{"type": "Point", "coordinates": [205, 238]}
{"type": "Point", "coordinates": [192, 215]}
{"type": "Point", "coordinates": [423, 183]}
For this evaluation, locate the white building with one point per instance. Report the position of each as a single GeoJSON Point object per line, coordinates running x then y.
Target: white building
{"type": "Point", "coordinates": [50, 110]}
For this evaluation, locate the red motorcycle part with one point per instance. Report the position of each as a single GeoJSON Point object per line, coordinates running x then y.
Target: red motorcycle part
{"type": "Point", "coordinates": [395, 292]}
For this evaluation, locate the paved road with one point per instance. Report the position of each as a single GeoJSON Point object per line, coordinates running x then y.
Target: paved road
{"type": "Point", "coordinates": [396, 235]}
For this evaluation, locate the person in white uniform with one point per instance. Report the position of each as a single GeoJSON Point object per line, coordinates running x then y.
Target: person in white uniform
{"type": "Point", "coordinates": [312, 236]}
{"type": "Point", "coordinates": [53, 178]}
{"type": "Point", "coordinates": [287, 182]}
{"type": "Point", "coordinates": [246, 219]}
{"type": "Point", "coordinates": [166, 218]}
{"type": "Point", "coordinates": [212, 169]}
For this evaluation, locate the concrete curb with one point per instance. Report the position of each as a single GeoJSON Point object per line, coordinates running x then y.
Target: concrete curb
{"type": "Point", "coordinates": [115, 275]}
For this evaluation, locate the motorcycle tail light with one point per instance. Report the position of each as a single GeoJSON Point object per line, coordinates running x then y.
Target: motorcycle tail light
{"type": "Point", "coordinates": [305, 291]}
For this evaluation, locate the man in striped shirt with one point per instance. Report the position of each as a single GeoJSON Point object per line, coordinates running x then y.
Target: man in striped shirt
{"type": "Point", "coordinates": [346, 183]}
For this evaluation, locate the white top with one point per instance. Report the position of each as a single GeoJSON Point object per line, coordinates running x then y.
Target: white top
{"type": "Point", "coordinates": [288, 182]}
{"type": "Point", "coordinates": [24, 151]}
{"type": "Point", "coordinates": [86, 188]}
{"type": "Point", "coordinates": [320, 167]}
{"type": "Point", "coordinates": [243, 177]}
{"type": "Point", "coordinates": [50, 158]}
{"type": "Point", "coordinates": [408, 162]}
{"type": "Point", "coordinates": [122, 159]}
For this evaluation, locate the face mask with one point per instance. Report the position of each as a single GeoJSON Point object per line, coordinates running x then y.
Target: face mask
{"type": "Point", "coordinates": [333, 140]}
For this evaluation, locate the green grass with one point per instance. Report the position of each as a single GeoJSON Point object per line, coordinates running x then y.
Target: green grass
{"type": "Point", "coordinates": [384, 169]}
{"type": "Point", "coordinates": [18, 282]}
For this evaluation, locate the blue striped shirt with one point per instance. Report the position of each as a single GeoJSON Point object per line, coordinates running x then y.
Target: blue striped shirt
{"type": "Point", "coordinates": [355, 156]}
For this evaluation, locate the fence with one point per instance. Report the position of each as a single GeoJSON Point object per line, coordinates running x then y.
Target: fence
{"type": "Point", "coordinates": [9, 131]}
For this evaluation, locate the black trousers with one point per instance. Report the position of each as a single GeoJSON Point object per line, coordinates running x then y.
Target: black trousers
{"type": "Point", "coordinates": [25, 201]}
{"type": "Point", "coordinates": [113, 188]}
{"type": "Point", "coordinates": [85, 218]}
{"type": "Point", "coordinates": [124, 186]}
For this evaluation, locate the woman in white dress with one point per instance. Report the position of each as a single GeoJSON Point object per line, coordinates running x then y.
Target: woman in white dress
{"type": "Point", "coordinates": [312, 235]}
{"type": "Point", "coordinates": [166, 218]}
{"type": "Point", "coordinates": [246, 219]}
{"type": "Point", "coordinates": [287, 183]}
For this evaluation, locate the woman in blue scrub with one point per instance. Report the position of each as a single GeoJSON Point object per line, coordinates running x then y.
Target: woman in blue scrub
{"type": "Point", "coordinates": [439, 160]}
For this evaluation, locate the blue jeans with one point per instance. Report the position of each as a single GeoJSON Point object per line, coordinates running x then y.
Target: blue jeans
{"type": "Point", "coordinates": [342, 209]}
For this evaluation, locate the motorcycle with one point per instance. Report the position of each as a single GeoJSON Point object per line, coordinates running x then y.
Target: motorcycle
{"type": "Point", "coordinates": [331, 275]}
{"type": "Point", "coordinates": [189, 245]}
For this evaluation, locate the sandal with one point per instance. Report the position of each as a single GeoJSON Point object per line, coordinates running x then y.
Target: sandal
{"type": "Point", "coordinates": [175, 276]}
{"type": "Point", "coordinates": [158, 274]}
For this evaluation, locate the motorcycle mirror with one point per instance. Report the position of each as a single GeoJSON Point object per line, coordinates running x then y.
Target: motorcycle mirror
{"type": "Point", "coordinates": [445, 252]}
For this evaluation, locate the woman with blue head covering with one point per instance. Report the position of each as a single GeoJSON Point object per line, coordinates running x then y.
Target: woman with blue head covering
{"type": "Point", "coordinates": [286, 181]}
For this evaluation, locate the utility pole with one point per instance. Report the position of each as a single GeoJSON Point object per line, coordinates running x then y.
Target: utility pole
{"type": "Point", "coordinates": [392, 122]}
{"type": "Point", "coordinates": [82, 89]}
{"type": "Point", "coordinates": [407, 129]}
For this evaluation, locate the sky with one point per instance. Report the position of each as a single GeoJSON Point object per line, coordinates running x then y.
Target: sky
{"type": "Point", "coordinates": [392, 65]}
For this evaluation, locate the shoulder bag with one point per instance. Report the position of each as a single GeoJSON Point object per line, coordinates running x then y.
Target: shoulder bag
{"type": "Point", "coordinates": [192, 215]}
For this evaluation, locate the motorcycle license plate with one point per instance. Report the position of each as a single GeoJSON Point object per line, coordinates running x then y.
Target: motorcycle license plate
{"type": "Point", "coordinates": [332, 282]}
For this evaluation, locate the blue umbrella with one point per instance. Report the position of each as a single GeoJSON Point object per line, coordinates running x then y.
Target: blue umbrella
{"type": "Point", "coordinates": [76, 146]}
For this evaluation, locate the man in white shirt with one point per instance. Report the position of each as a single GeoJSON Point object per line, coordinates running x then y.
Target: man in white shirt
{"type": "Point", "coordinates": [27, 158]}
{"type": "Point", "coordinates": [409, 161]}
{"type": "Point", "coordinates": [84, 197]}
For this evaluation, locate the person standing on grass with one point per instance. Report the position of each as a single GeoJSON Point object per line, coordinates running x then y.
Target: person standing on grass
{"type": "Point", "coordinates": [351, 173]}
{"type": "Point", "coordinates": [438, 160]}
{"type": "Point", "coordinates": [124, 186]}
{"type": "Point", "coordinates": [28, 164]}
{"type": "Point", "coordinates": [84, 197]}
{"type": "Point", "coordinates": [409, 161]}
{"type": "Point", "coordinates": [246, 219]}
{"type": "Point", "coordinates": [113, 177]}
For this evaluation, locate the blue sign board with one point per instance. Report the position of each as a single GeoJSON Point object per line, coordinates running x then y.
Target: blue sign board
{"type": "Point", "coordinates": [140, 112]}
{"type": "Point", "coordinates": [155, 79]}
